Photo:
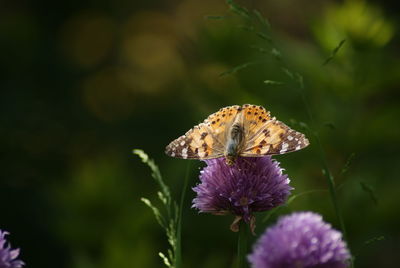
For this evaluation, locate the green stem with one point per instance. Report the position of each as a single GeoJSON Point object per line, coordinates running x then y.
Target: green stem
{"type": "Point", "coordinates": [333, 193]}
{"type": "Point", "coordinates": [332, 188]}
{"type": "Point", "coordinates": [178, 251]}
{"type": "Point", "coordinates": [327, 173]}
{"type": "Point", "coordinates": [242, 244]}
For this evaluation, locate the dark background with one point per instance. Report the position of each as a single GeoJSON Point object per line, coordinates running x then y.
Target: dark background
{"type": "Point", "coordinates": [85, 82]}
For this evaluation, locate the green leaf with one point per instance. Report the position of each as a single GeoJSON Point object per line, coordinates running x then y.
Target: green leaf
{"type": "Point", "coordinates": [347, 164]}
{"type": "Point", "coordinates": [270, 213]}
{"type": "Point", "coordinates": [276, 54]}
{"type": "Point", "coordinates": [271, 82]}
{"type": "Point", "coordinates": [260, 49]}
{"type": "Point", "coordinates": [288, 73]}
{"type": "Point", "coordinates": [264, 21]}
{"type": "Point", "coordinates": [170, 223]}
{"type": "Point", "coordinates": [155, 173]}
{"type": "Point", "coordinates": [370, 191]}
{"type": "Point", "coordinates": [264, 36]}
{"type": "Point", "coordinates": [160, 219]}
{"type": "Point", "coordinates": [300, 80]}
{"type": "Point", "coordinates": [165, 259]}
{"type": "Point", "coordinates": [238, 68]}
{"type": "Point", "coordinates": [334, 52]}
{"type": "Point", "coordinates": [241, 11]}
{"type": "Point", "coordinates": [162, 198]}
{"type": "Point", "coordinates": [170, 254]}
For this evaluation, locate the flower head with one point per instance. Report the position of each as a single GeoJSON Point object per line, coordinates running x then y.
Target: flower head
{"type": "Point", "coordinates": [252, 184]}
{"type": "Point", "coordinates": [7, 255]}
{"type": "Point", "coordinates": [300, 240]}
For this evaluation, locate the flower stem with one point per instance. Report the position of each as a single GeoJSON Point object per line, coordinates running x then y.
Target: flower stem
{"type": "Point", "coordinates": [178, 253]}
{"type": "Point", "coordinates": [328, 175]}
{"type": "Point", "coordinates": [242, 244]}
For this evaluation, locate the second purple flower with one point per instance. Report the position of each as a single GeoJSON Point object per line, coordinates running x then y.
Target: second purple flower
{"type": "Point", "coordinates": [8, 256]}
{"type": "Point", "coordinates": [253, 184]}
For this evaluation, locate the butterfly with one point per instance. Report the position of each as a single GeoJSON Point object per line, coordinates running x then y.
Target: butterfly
{"type": "Point", "coordinates": [233, 131]}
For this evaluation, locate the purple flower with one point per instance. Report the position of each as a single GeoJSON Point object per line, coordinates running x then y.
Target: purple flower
{"type": "Point", "coordinates": [7, 255]}
{"type": "Point", "coordinates": [252, 184]}
{"type": "Point", "coordinates": [300, 240]}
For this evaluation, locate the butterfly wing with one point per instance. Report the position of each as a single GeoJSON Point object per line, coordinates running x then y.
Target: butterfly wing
{"type": "Point", "coordinates": [206, 140]}
{"type": "Point", "coordinates": [253, 119]}
{"type": "Point", "coordinates": [271, 138]}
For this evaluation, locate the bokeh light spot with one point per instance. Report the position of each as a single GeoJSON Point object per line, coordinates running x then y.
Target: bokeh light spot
{"type": "Point", "coordinates": [87, 38]}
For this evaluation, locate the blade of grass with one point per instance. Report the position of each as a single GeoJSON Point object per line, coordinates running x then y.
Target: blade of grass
{"type": "Point", "coordinates": [370, 191]}
{"type": "Point", "coordinates": [334, 52]}
{"type": "Point", "coordinates": [264, 21]}
{"type": "Point", "coordinates": [238, 68]}
{"type": "Point", "coordinates": [241, 11]}
{"type": "Point", "coordinates": [155, 173]}
{"type": "Point", "coordinates": [271, 82]}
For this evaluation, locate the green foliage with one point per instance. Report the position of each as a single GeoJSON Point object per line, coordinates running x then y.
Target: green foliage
{"type": "Point", "coordinates": [334, 52]}
{"type": "Point", "coordinates": [370, 191]}
{"type": "Point", "coordinates": [270, 213]}
{"type": "Point", "coordinates": [170, 222]}
{"type": "Point", "coordinates": [238, 68]}
{"type": "Point", "coordinates": [298, 80]}
{"type": "Point", "coordinates": [270, 82]}
{"type": "Point", "coordinates": [130, 74]}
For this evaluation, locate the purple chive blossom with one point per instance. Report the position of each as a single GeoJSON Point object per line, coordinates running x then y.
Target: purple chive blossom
{"type": "Point", "coordinates": [7, 255]}
{"type": "Point", "coordinates": [301, 240]}
{"type": "Point", "coordinates": [252, 184]}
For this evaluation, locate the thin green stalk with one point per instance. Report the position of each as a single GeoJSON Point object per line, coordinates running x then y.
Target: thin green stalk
{"type": "Point", "coordinates": [242, 244]}
{"type": "Point", "coordinates": [332, 187]}
{"type": "Point", "coordinates": [243, 12]}
{"type": "Point", "coordinates": [178, 253]}
{"type": "Point", "coordinates": [326, 171]}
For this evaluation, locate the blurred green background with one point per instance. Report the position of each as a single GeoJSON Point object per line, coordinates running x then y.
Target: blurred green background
{"type": "Point", "coordinates": [85, 82]}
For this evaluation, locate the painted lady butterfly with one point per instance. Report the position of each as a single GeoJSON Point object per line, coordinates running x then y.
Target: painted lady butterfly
{"type": "Point", "coordinates": [234, 131]}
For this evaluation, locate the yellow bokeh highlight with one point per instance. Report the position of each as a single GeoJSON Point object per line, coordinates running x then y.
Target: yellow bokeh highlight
{"type": "Point", "coordinates": [356, 21]}
{"type": "Point", "coordinates": [150, 53]}
{"type": "Point", "coordinates": [87, 38]}
{"type": "Point", "coordinates": [190, 15]}
{"type": "Point", "coordinates": [106, 96]}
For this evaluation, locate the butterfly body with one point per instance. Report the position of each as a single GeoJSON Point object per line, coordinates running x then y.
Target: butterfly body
{"type": "Point", "coordinates": [234, 143]}
{"type": "Point", "coordinates": [234, 131]}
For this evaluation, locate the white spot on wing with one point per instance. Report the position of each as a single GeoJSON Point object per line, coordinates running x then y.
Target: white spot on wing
{"type": "Point", "coordinates": [184, 153]}
{"type": "Point", "coordinates": [298, 147]}
{"type": "Point", "coordinates": [289, 137]}
{"type": "Point", "coordinates": [284, 147]}
{"type": "Point", "coordinates": [202, 154]}
{"type": "Point", "coordinates": [182, 143]}
{"type": "Point", "coordinates": [173, 154]}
